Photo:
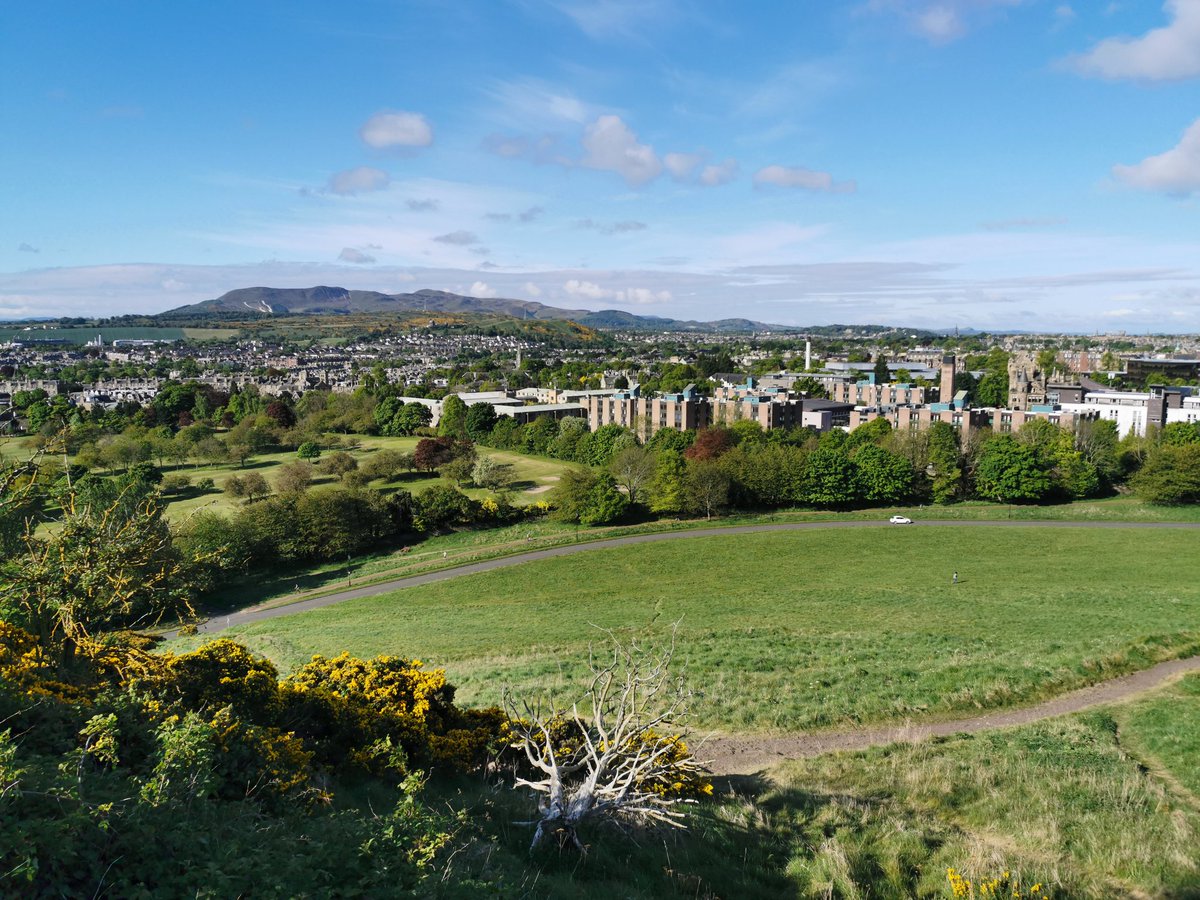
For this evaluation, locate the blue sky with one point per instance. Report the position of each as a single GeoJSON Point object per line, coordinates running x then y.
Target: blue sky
{"type": "Point", "coordinates": [985, 163]}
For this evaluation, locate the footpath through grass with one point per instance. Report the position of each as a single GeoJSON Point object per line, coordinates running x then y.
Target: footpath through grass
{"type": "Point", "coordinates": [1076, 804]}
{"type": "Point", "coordinates": [789, 631]}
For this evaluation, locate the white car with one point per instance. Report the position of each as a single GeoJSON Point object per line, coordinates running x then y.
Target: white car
{"type": "Point", "coordinates": [899, 520]}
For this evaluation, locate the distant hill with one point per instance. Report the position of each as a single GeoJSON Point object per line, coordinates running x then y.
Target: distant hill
{"type": "Point", "coordinates": [325, 300]}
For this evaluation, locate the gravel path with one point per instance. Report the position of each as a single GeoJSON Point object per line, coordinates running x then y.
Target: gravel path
{"type": "Point", "coordinates": [746, 754]}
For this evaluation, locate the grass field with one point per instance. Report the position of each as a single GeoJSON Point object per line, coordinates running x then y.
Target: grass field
{"type": "Point", "coordinates": [533, 476]}
{"type": "Point", "coordinates": [1078, 804]}
{"type": "Point", "coordinates": [790, 631]}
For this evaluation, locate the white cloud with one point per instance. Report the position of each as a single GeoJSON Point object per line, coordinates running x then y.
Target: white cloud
{"type": "Point", "coordinates": [616, 18]}
{"type": "Point", "coordinates": [587, 289]}
{"type": "Point", "coordinates": [351, 255]}
{"type": "Point", "coordinates": [611, 146]}
{"type": "Point", "coordinates": [359, 180]}
{"type": "Point", "coordinates": [27, 248]}
{"type": "Point", "coordinates": [939, 21]}
{"type": "Point", "coordinates": [389, 129]}
{"type": "Point", "coordinates": [1162, 54]}
{"type": "Point", "coordinates": [531, 289]}
{"type": "Point", "coordinates": [713, 175]}
{"type": "Point", "coordinates": [428, 204]}
{"type": "Point", "coordinates": [527, 102]}
{"type": "Point", "coordinates": [1175, 172]}
{"type": "Point", "coordinates": [611, 228]}
{"type": "Point", "coordinates": [690, 167]}
{"type": "Point", "coordinates": [799, 177]}
{"type": "Point", "coordinates": [480, 289]}
{"type": "Point", "coordinates": [459, 238]}
{"type": "Point", "coordinates": [682, 165]}
{"type": "Point", "coordinates": [643, 295]}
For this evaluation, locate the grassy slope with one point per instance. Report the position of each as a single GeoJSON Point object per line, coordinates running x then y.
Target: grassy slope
{"type": "Point", "coordinates": [789, 631]}
{"type": "Point", "coordinates": [1065, 802]}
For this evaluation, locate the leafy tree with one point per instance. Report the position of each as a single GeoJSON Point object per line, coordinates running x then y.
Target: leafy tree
{"type": "Point", "coordinates": [411, 417]}
{"type": "Point", "coordinates": [881, 371]}
{"type": "Point", "coordinates": [604, 504]}
{"type": "Point", "coordinates": [706, 487]}
{"type": "Point", "coordinates": [480, 420]}
{"type": "Point", "coordinates": [945, 463]}
{"type": "Point", "coordinates": [294, 477]}
{"type": "Point", "coordinates": [571, 494]}
{"type": "Point", "coordinates": [1180, 434]}
{"type": "Point", "coordinates": [459, 469]}
{"type": "Point", "coordinates": [309, 450]}
{"type": "Point", "coordinates": [490, 473]}
{"type": "Point", "coordinates": [339, 464]}
{"type": "Point", "coordinates": [110, 564]}
{"type": "Point", "coordinates": [255, 486]}
{"type": "Point", "coordinates": [831, 478]}
{"type": "Point", "coordinates": [633, 468]}
{"type": "Point", "coordinates": [441, 506]}
{"type": "Point", "coordinates": [1009, 472]}
{"type": "Point", "coordinates": [1170, 475]}
{"type": "Point", "coordinates": [709, 443]}
{"type": "Point", "coordinates": [606, 441]}
{"type": "Point", "coordinates": [875, 431]}
{"type": "Point", "coordinates": [453, 422]}
{"type": "Point", "coordinates": [882, 477]}
{"type": "Point", "coordinates": [667, 486]}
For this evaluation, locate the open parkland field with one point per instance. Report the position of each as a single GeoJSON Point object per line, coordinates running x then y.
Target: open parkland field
{"type": "Point", "coordinates": [826, 631]}
{"type": "Point", "coordinates": [839, 628]}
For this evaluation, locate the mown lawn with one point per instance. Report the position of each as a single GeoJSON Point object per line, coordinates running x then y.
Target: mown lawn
{"type": "Point", "coordinates": [790, 631]}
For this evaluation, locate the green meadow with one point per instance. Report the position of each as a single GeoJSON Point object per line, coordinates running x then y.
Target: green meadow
{"type": "Point", "coordinates": [799, 630]}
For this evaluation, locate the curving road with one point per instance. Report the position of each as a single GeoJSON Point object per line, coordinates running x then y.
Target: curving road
{"type": "Point", "coordinates": [262, 613]}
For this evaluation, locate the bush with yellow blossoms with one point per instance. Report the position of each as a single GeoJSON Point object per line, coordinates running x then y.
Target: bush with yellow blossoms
{"type": "Point", "coordinates": [1005, 885]}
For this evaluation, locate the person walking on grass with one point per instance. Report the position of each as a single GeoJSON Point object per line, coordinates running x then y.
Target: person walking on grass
{"type": "Point", "coordinates": [954, 578]}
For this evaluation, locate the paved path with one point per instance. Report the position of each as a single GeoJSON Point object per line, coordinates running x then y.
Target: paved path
{"type": "Point", "coordinates": [746, 754]}
{"type": "Point", "coordinates": [262, 613]}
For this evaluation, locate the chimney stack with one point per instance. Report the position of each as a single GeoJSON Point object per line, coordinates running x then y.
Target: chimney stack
{"type": "Point", "coordinates": [946, 391]}
{"type": "Point", "coordinates": [807, 355]}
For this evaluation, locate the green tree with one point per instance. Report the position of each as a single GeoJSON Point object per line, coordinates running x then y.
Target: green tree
{"type": "Point", "coordinates": [830, 480]}
{"type": "Point", "coordinates": [604, 504]}
{"type": "Point", "coordinates": [881, 371]}
{"type": "Point", "coordinates": [488, 472]}
{"type": "Point", "coordinates": [309, 450]}
{"type": "Point", "coordinates": [570, 495]}
{"type": "Point", "coordinates": [1170, 475]}
{"type": "Point", "coordinates": [667, 486]}
{"type": "Point", "coordinates": [882, 477]}
{"type": "Point", "coordinates": [633, 468]}
{"type": "Point", "coordinates": [945, 463]}
{"type": "Point", "coordinates": [453, 422]}
{"type": "Point", "coordinates": [1010, 472]}
{"type": "Point", "coordinates": [480, 420]}
{"type": "Point", "coordinates": [705, 487]}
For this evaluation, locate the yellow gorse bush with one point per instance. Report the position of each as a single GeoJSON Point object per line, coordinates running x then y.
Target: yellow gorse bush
{"type": "Point", "coordinates": [1004, 885]}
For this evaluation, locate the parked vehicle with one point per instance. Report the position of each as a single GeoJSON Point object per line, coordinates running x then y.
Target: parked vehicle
{"type": "Point", "coordinates": [899, 520]}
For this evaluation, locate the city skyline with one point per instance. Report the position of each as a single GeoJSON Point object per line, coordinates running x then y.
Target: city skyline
{"type": "Point", "coordinates": [988, 163]}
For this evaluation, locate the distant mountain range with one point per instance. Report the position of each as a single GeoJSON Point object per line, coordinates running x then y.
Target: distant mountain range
{"type": "Point", "coordinates": [331, 301]}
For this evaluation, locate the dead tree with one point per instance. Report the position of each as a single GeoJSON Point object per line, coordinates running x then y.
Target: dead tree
{"type": "Point", "coordinates": [622, 759]}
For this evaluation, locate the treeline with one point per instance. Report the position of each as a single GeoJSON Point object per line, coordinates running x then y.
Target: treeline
{"type": "Point", "coordinates": [743, 467]}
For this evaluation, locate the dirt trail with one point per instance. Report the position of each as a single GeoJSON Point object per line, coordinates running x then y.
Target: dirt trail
{"type": "Point", "coordinates": [744, 754]}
